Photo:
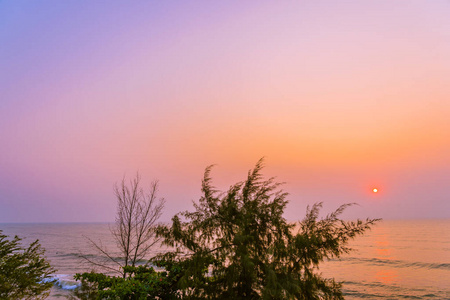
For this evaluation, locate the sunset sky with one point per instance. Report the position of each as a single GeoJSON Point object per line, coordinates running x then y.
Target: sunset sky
{"type": "Point", "coordinates": [340, 97]}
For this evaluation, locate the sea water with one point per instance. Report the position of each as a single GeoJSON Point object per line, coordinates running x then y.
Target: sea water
{"type": "Point", "coordinates": [395, 260]}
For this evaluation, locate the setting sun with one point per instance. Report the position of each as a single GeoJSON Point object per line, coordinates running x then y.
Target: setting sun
{"type": "Point", "coordinates": [375, 190]}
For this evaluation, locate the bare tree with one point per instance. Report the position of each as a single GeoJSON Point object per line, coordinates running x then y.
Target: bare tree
{"type": "Point", "coordinates": [134, 228]}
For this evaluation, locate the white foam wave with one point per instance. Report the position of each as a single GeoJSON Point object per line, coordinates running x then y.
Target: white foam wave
{"type": "Point", "coordinates": [65, 281]}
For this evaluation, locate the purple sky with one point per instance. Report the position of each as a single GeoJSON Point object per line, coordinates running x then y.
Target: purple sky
{"type": "Point", "coordinates": [339, 97]}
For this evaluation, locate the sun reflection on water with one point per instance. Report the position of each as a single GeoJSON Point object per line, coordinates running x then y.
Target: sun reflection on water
{"type": "Point", "coordinates": [386, 276]}
{"type": "Point", "coordinates": [383, 251]}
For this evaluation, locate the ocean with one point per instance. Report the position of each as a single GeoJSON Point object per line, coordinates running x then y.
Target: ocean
{"type": "Point", "coordinates": [395, 260]}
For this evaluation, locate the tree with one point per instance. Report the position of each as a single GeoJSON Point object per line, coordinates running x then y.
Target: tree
{"type": "Point", "coordinates": [134, 233]}
{"type": "Point", "coordinates": [134, 229]}
{"type": "Point", "coordinates": [24, 272]}
{"type": "Point", "coordinates": [238, 245]}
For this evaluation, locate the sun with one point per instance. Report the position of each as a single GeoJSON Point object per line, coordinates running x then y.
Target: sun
{"type": "Point", "coordinates": [375, 190]}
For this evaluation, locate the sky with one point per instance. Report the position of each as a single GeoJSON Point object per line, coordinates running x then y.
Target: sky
{"type": "Point", "coordinates": [339, 97]}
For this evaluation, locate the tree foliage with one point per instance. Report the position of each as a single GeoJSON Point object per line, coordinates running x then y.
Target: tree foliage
{"type": "Point", "coordinates": [24, 271]}
{"type": "Point", "coordinates": [238, 245]}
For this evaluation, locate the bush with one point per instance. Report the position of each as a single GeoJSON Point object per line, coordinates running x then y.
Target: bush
{"type": "Point", "coordinates": [142, 282]}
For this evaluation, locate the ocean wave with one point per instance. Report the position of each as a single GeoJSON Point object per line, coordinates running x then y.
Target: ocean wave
{"type": "Point", "coordinates": [398, 263]}
{"type": "Point", "coordinates": [64, 281]}
{"type": "Point", "coordinates": [377, 290]}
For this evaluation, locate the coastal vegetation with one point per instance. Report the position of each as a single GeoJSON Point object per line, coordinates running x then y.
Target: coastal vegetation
{"type": "Point", "coordinates": [24, 271]}
{"type": "Point", "coordinates": [237, 245]}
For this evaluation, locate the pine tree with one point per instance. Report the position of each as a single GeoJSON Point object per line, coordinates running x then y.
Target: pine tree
{"type": "Point", "coordinates": [238, 245]}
